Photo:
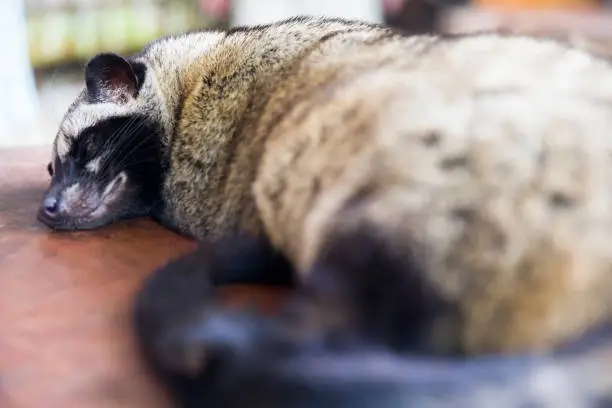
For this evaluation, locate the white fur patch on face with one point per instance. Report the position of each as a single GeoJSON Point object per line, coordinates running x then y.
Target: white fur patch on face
{"type": "Point", "coordinates": [61, 146]}
{"type": "Point", "coordinates": [93, 166]}
{"type": "Point", "coordinates": [87, 115]}
{"type": "Point", "coordinates": [71, 195]}
{"type": "Point", "coordinates": [114, 187]}
{"type": "Point", "coordinates": [110, 194]}
{"type": "Point", "coordinates": [79, 201]}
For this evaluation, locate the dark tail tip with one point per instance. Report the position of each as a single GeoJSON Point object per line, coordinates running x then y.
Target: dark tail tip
{"type": "Point", "coordinates": [175, 310]}
{"type": "Point", "coordinates": [381, 287]}
{"type": "Point", "coordinates": [252, 260]}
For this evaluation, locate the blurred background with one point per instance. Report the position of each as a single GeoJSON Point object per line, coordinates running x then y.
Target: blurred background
{"type": "Point", "coordinates": [46, 42]}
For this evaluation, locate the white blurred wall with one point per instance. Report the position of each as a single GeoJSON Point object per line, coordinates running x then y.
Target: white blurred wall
{"type": "Point", "coordinates": [265, 11]}
{"type": "Point", "coordinates": [18, 96]}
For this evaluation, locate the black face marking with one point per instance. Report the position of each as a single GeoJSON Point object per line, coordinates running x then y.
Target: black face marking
{"type": "Point", "coordinates": [50, 169]}
{"type": "Point", "coordinates": [125, 183]}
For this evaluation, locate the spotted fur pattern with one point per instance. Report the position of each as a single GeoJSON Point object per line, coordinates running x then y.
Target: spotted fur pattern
{"type": "Point", "coordinates": [443, 195]}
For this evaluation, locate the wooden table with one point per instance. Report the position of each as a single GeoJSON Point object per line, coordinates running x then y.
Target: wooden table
{"type": "Point", "coordinates": [65, 338]}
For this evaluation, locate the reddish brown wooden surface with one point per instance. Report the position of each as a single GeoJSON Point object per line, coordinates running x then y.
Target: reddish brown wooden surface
{"type": "Point", "coordinates": [65, 339]}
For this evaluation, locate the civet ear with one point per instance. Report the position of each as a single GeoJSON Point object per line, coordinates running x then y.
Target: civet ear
{"type": "Point", "coordinates": [110, 78]}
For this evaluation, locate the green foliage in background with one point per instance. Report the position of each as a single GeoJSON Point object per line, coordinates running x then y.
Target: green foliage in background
{"type": "Point", "coordinates": [75, 34]}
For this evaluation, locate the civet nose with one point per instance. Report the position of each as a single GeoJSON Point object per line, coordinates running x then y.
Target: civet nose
{"type": "Point", "coordinates": [51, 206]}
{"type": "Point", "coordinates": [49, 211]}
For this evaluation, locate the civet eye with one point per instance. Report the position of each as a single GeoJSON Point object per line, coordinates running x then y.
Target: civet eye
{"type": "Point", "coordinates": [50, 169]}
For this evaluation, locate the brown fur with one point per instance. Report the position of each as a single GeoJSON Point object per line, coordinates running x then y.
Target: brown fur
{"type": "Point", "coordinates": [348, 130]}
{"type": "Point", "coordinates": [490, 152]}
